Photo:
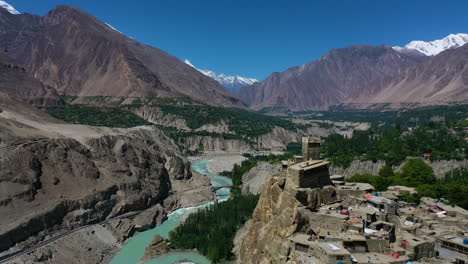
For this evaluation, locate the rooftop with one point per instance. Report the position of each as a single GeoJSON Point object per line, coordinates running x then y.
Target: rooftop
{"type": "Point", "coordinates": [333, 248]}
{"type": "Point", "coordinates": [311, 164]}
{"type": "Point", "coordinates": [379, 200]}
{"type": "Point", "coordinates": [453, 239]}
{"type": "Point", "coordinates": [377, 258]}
{"type": "Point", "coordinates": [356, 186]}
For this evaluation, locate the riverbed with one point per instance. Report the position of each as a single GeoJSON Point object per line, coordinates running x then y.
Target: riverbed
{"type": "Point", "coordinates": [135, 248]}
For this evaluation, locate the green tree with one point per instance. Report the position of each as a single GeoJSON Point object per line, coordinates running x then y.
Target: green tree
{"type": "Point", "coordinates": [386, 171]}
{"type": "Point", "coordinates": [416, 172]}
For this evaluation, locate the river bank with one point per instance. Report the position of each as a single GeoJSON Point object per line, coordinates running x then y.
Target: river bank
{"type": "Point", "coordinates": [134, 250]}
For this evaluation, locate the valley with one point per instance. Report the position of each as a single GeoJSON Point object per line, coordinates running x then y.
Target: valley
{"type": "Point", "coordinates": [115, 151]}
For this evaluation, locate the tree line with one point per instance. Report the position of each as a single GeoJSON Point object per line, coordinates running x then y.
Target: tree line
{"type": "Point", "coordinates": [416, 173]}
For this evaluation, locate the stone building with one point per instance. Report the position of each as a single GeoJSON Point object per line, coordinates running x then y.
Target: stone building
{"type": "Point", "coordinates": [308, 171]}
{"type": "Point", "coordinates": [310, 148]}
{"type": "Point", "coordinates": [309, 174]}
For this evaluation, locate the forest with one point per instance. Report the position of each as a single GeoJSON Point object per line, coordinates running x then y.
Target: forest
{"type": "Point", "coordinates": [395, 145]}
{"type": "Point", "coordinates": [96, 116]}
{"type": "Point", "coordinates": [389, 118]}
{"type": "Point", "coordinates": [212, 230]}
{"type": "Point", "coordinates": [416, 173]}
{"type": "Point", "coordinates": [103, 110]}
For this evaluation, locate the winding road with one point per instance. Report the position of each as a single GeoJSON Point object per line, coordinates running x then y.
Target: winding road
{"type": "Point", "coordinates": [19, 253]}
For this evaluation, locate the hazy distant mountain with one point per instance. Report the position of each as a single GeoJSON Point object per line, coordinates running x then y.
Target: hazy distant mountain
{"type": "Point", "coordinates": [9, 8]}
{"type": "Point", "coordinates": [78, 54]}
{"type": "Point", "coordinates": [332, 79]}
{"type": "Point", "coordinates": [231, 83]}
{"type": "Point", "coordinates": [432, 48]}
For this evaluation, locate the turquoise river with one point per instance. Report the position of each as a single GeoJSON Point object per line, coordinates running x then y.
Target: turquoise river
{"type": "Point", "coordinates": [135, 248]}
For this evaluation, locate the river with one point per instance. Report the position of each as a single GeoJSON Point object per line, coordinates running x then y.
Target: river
{"type": "Point", "coordinates": [134, 249]}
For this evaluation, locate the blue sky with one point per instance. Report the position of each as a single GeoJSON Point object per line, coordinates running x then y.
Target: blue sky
{"type": "Point", "coordinates": [254, 38]}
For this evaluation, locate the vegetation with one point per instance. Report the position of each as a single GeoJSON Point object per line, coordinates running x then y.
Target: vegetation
{"type": "Point", "coordinates": [211, 230]}
{"type": "Point", "coordinates": [96, 116]}
{"type": "Point", "coordinates": [243, 125]}
{"type": "Point", "coordinates": [416, 173]}
{"type": "Point", "coordinates": [395, 145]}
{"type": "Point", "coordinates": [240, 122]}
{"type": "Point", "coordinates": [391, 118]}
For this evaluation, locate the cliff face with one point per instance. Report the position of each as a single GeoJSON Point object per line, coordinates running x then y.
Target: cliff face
{"type": "Point", "coordinates": [254, 180]}
{"type": "Point", "coordinates": [56, 176]}
{"type": "Point", "coordinates": [279, 214]}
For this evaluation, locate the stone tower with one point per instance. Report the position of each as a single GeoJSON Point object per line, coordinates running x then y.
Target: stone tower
{"type": "Point", "coordinates": [311, 148]}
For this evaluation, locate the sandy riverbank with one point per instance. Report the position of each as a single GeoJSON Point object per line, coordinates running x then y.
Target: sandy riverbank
{"type": "Point", "coordinates": [222, 162]}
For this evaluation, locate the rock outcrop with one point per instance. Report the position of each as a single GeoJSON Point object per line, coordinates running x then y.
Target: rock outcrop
{"type": "Point", "coordinates": [156, 116]}
{"type": "Point", "coordinates": [158, 247]}
{"type": "Point", "coordinates": [55, 176]}
{"type": "Point", "coordinates": [254, 180]}
{"type": "Point", "coordinates": [278, 215]}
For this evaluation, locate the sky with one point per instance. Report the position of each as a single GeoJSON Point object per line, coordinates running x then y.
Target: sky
{"type": "Point", "coordinates": [253, 38]}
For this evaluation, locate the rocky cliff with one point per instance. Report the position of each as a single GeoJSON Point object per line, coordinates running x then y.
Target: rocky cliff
{"type": "Point", "coordinates": [280, 212]}
{"type": "Point", "coordinates": [254, 180]}
{"type": "Point", "coordinates": [56, 176]}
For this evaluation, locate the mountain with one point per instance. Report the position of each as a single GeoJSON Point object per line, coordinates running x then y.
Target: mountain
{"type": "Point", "coordinates": [77, 54]}
{"type": "Point", "coordinates": [231, 83]}
{"type": "Point", "coordinates": [432, 48]}
{"type": "Point", "coordinates": [17, 83]}
{"type": "Point", "coordinates": [442, 79]}
{"type": "Point", "coordinates": [9, 8]}
{"type": "Point", "coordinates": [330, 80]}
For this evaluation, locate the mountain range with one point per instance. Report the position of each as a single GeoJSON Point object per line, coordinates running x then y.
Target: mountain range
{"type": "Point", "coordinates": [9, 8]}
{"type": "Point", "coordinates": [432, 48]}
{"type": "Point", "coordinates": [231, 83]}
{"type": "Point", "coordinates": [70, 52]}
{"type": "Point", "coordinates": [77, 54]}
{"type": "Point", "coordinates": [366, 75]}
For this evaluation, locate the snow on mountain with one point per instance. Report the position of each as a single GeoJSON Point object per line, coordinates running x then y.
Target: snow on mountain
{"type": "Point", "coordinates": [231, 83]}
{"type": "Point", "coordinates": [435, 47]}
{"type": "Point", "coordinates": [109, 25]}
{"type": "Point", "coordinates": [9, 8]}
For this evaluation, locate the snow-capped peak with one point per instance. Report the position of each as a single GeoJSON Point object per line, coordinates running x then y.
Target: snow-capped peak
{"type": "Point", "coordinates": [109, 25]}
{"type": "Point", "coordinates": [231, 83]}
{"type": "Point", "coordinates": [9, 8]}
{"type": "Point", "coordinates": [189, 63]}
{"type": "Point", "coordinates": [435, 47]}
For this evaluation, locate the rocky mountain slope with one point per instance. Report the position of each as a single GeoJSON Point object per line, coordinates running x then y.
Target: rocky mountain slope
{"type": "Point", "coordinates": [55, 176]}
{"type": "Point", "coordinates": [231, 83]}
{"type": "Point", "coordinates": [19, 84]}
{"type": "Point", "coordinates": [332, 79]}
{"type": "Point", "coordinates": [77, 54]}
{"type": "Point", "coordinates": [442, 79]}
